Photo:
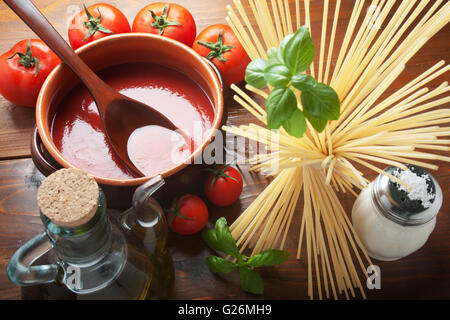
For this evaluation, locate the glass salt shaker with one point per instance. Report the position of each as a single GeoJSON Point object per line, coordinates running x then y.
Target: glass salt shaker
{"type": "Point", "coordinates": [393, 222]}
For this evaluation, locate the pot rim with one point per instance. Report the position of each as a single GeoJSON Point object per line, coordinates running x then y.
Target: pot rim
{"type": "Point", "coordinates": [55, 153]}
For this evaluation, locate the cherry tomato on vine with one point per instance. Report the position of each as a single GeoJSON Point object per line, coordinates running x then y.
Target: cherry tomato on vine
{"type": "Point", "coordinates": [220, 45]}
{"type": "Point", "coordinates": [188, 215]}
{"type": "Point", "coordinates": [223, 185]}
{"type": "Point", "coordinates": [95, 22]}
{"type": "Point", "coordinates": [167, 19]}
{"type": "Point", "coordinates": [23, 70]}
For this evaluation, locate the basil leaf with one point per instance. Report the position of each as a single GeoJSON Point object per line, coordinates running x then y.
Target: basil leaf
{"type": "Point", "coordinates": [303, 81]}
{"type": "Point", "coordinates": [277, 75]}
{"type": "Point", "coordinates": [322, 102]}
{"type": "Point", "coordinates": [274, 56]}
{"type": "Point", "coordinates": [251, 281]}
{"type": "Point", "coordinates": [227, 243]}
{"type": "Point", "coordinates": [296, 124]}
{"type": "Point", "coordinates": [280, 105]}
{"type": "Point", "coordinates": [254, 74]}
{"type": "Point", "coordinates": [318, 124]}
{"type": "Point", "coordinates": [298, 52]}
{"type": "Point", "coordinates": [211, 239]}
{"type": "Point", "coordinates": [283, 43]}
{"type": "Point", "coordinates": [268, 258]}
{"type": "Point", "coordinates": [218, 264]}
{"type": "Point", "coordinates": [220, 239]}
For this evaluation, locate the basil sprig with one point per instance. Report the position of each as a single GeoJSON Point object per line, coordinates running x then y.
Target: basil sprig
{"type": "Point", "coordinates": [220, 239]}
{"type": "Point", "coordinates": [284, 71]}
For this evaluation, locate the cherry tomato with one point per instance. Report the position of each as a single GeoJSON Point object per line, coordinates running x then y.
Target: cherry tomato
{"type": "Point", "coordinates": [188, 215]}
{"type": "Point", "coordinates": [219, 44]}
{"type": "Point", "coordinates": [95, 22]}
{"type": "Point", "coordinates": [167, 19]}
{"type": "Point", "coordinates": [23, 70]}
{"type": "Point", "coordinates": [223, 185]}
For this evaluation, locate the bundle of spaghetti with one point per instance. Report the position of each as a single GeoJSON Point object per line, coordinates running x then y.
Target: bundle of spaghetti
{"type": "Point", "coordinates": [373, 131]}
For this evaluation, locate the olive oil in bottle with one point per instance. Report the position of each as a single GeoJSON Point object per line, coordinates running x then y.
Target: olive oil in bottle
{"type": "Point", "coordinates": [91, 257]}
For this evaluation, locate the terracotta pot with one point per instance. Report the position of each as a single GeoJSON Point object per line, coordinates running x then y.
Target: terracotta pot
{"type": "Point", "coordinates": [114, 50]}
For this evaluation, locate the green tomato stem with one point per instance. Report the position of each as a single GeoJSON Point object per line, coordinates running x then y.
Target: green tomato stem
{"type": "Point", "coordinates": [27, 59]}
{"type": "Point", "coordinates": [94, 24]}
{"type": "Point", "coordinates": [217, 49]}
{"type": "Point", "coordinates": [161, 22]}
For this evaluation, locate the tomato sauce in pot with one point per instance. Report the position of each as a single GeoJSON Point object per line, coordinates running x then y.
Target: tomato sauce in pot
{"type": "Point", "coordinates": [77, 130]}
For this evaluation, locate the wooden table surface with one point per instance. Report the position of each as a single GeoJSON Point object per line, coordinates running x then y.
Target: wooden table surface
{"type": "Point", "coordinates": [423, 275]}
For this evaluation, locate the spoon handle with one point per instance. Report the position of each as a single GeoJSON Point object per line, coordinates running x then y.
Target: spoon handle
{"type": "Point", "coordinates": [42, 27]}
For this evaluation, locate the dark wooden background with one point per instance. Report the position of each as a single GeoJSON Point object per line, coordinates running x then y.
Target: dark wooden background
{"type": "Point", "coordinates": [423, 275]}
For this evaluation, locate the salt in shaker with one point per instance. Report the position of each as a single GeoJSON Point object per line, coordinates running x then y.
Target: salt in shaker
{"type": "Point", "coordinates": [393, 222]}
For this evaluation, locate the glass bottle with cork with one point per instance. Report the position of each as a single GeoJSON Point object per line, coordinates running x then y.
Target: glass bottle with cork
{"type": "Point", "coordinates": [93, 256]}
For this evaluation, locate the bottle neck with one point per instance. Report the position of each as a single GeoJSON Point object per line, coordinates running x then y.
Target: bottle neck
{"type": "Point", "coordinates": [83, 244]}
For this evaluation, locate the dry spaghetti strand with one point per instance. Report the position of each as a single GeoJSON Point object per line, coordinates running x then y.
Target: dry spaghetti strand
{"type": "Point", "coordinates": [407, 126]}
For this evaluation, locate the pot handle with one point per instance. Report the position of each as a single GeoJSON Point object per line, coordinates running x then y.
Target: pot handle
{"type": "Point", "coordinates": [40, 160]}
{"type": "Point", "coordinates": [219, 76]}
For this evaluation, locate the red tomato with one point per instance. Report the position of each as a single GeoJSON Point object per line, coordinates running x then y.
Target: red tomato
{"type": "Point", "coordinates": [219, 44]}
{"type": "Point", "coordinates": [23, 70]}
{"type": "Point", "coordinates": [95, 22]}
{"type": "Point", "coordinates": [223, 185]}
{"type": "Point", "coordinates": [188, 215]}
{"type": "Point", "coordinates": [168, 19]}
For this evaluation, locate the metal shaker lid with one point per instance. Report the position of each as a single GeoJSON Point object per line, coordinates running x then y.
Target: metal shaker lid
{"type": "Point", "coordinates": [395, 203]}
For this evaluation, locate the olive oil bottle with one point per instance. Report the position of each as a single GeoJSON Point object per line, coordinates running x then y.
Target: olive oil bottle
{"type": "Point", "coordinates": [92, 255]}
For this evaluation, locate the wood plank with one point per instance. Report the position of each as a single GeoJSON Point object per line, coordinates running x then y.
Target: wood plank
{"type": "Point", "coordinates": [423, 275]}
{"type": "Point", "coordinates": [19, 121]}
{"type": "Point", "coordinates": [16, 123]}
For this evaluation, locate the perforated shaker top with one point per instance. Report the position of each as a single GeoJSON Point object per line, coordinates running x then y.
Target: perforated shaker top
{"type": "Point", "coordinates": [396, 203]}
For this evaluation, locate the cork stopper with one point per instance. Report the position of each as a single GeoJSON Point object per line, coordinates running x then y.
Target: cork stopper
{"type": "Point", "coordinates": [68, 197]}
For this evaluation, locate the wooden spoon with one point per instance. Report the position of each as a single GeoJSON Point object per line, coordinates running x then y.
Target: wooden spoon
{"type": "Point", "coordinates": [120, 115]}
